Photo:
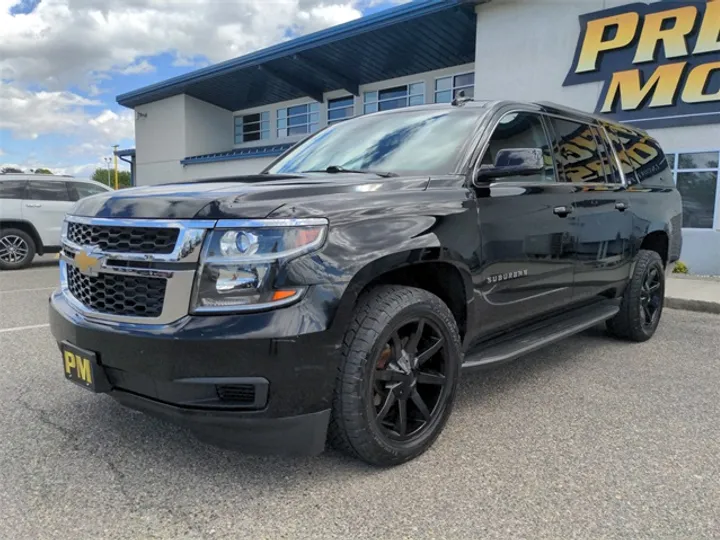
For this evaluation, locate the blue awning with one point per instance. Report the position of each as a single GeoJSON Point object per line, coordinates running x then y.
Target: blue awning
{"type": "Point", "coordinates": [240, 153]}
{"type": "Point", "coordinates": [128, 152]}
{"type": "Point", "coordinates": [412, 38]}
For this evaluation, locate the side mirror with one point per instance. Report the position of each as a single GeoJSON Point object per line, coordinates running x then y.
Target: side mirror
{"type": "Point", "coordinates": [513, 162]}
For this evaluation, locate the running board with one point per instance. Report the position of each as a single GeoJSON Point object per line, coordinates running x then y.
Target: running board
{"type": "Point", "coordinates": [512, 346]}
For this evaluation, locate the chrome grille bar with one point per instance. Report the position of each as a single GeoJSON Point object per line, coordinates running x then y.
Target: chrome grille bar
{"type": "Point", "coordinates": [92, 261]}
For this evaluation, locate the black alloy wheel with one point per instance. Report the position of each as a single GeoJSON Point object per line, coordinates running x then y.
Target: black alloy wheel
{"type": "Point", "coordinates": [643, 300]}
{"type": "Point", "coordinates": [397, 377]}
{"type": "Point", "coordinates": [409, 383]}
{"type": "Point", "coordinates": [651, 298]}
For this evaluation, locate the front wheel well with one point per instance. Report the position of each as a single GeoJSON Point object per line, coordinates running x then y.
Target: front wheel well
{"type": "Point", "coordinates": [441, 279]}
{"type": "Point", "coordinates": [26, 227]}
{"type": "Point", "coordinates": [658, 242]}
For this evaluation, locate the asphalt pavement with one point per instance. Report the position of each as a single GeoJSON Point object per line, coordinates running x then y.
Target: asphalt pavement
{"type": "Point", "coordinates": [591, 438]}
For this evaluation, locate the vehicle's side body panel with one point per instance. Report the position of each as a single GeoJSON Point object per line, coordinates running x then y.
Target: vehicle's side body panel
{"type": "Point", "coordinates": [605, 245]}
{"type": "Point", "coordinates": [527, 259]}
{"type": "Point", "coordinates": [606, 241]}
{"type": "Point", "coordinates": [655, 202]}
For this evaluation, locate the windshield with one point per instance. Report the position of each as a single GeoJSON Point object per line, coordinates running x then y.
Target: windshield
{"type": "Point", "coordinates": [423, 141]}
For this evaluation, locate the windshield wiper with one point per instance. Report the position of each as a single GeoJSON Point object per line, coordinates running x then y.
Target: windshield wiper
{"type": "Point", "coordinates": [336, 169]}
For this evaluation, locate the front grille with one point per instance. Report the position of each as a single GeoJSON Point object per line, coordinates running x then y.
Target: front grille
{"type": "Point", "coordinates": [238, 393]}
{"type": "Point", "coordinates": [116, 294]}
{"type": "Point", "coordinates": [114, 239]}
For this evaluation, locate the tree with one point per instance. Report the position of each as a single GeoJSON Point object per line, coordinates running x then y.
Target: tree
{"type": "Point", "coordinates": [42, 170]}
{"type": "Point", "coordinates": [9, 170]}
{"type": "Point", "coordinates": [101, 175]}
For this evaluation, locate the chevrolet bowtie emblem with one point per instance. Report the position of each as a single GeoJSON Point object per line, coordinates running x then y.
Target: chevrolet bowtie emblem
{"type": "Point", "coordinates": [87, 263]}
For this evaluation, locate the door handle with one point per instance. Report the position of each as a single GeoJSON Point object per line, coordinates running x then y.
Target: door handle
{"type": "Point", "coordinates": [34, 205]}
{"type": "Point", "coordinates": [562, 211]}
{"type": "Point", "coordinates": [622, 206]}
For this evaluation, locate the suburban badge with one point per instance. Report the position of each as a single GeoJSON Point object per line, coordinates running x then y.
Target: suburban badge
{"type": "Point", "coordinates": [507, 276]}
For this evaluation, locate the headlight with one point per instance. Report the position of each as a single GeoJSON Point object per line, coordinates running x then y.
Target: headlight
{"type": "Point", "coordinates": [240, 260]}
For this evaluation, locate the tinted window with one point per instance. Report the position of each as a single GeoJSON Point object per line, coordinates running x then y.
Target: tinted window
{"type": "Point", "coordinates": [645, 159]}
{"type": "Point", "coordinates": [698, 190]}
{"type": "Point", "coordinates": [610, 167]}
{"type": "Point", "coordinates": [80, 190]}
{"type": "Point", "coordinates": [41, 190]}
{"type": "Point", "coordinates": [698, 160]}
{"type": "Point", "coordinates": [578, 151]}
{"type": "Point", "coordinates": [12, 189]}
{"type": "Point", "coordinates": [521, 130]}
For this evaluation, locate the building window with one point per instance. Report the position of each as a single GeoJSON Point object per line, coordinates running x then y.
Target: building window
{"type": "Point", "coordinates": [697, 176]}
{"type": "Point", "coordinates": [298, 120]}
{"type": "Point", "coordinates": [252, 127]}
{"type": "Point", "coordinates": [447, 88]}
{"type": "Point", "coordinates": [394, 98]}
{"type": "Point", "coordinates": [341, 109]}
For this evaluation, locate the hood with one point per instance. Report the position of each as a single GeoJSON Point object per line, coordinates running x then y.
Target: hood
{"type": "Point", "coordinates": [245, 197]}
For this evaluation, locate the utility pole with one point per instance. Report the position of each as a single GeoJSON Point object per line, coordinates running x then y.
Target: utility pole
{"type": "Point", "coordinates": [115, 148]}
{"type": "Point", "coordinates": [107, 162]}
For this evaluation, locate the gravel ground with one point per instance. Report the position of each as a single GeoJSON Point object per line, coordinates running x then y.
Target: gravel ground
{"type": "Point", "coordinates": [591, 438]}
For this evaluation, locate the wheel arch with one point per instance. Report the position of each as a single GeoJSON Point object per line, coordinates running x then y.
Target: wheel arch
{"type": "Point", "coordinates": [436, 270]}
{"type": "Point", "coordinates": [26, 227]}
{"type": "Point", "coordinates": [657, 240]}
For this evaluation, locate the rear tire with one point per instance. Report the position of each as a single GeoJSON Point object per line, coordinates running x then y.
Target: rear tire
{"type": "Point", "coordinates": [397, 378]}
{"type": "Point", "coordinates": [643, 302]}
{"type": "Point", "coordinates": [17, 249]}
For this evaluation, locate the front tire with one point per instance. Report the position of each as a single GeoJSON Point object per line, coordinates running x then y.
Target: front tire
{"type": "Point", "coordinates": [17, 249]}
{"type": "Point", "coordinates": [398, 376]}
{"type": "Point", "coordinates": [643, 302]}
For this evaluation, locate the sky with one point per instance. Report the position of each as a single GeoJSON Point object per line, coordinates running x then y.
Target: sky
{"type": "Point", "coordinates": [63, 62]}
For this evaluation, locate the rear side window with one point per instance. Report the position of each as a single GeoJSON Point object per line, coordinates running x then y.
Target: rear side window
{"type": "Point", "coordinates": [12, 189]}
{"type": "Point", "coordinates": [645, 161]}
{"type": "Point", "coordinates": [578, 151]}
{"type": "Point", "coordinates": [610, 166]}
{"type": "Point", "coordinates": [41, 190]}
{"type": "Point", "coordinates": [80, 190]}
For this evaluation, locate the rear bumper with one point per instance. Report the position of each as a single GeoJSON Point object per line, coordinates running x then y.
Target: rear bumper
{"type": "Point", "coordinates": [235, 381]}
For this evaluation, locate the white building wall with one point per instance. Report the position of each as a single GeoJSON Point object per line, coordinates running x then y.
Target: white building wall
{"type": "Point", "coordinates": [524, 52]}
{"type": "Point", "coordinates": [533, 68]}
{"type": "Point", "coordinates": [208, 129]}
{"type": "Point", "coordinates": [160, 141]}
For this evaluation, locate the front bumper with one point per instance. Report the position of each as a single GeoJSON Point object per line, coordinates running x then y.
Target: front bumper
{"type": "Point", "coordinates": [258, 382]}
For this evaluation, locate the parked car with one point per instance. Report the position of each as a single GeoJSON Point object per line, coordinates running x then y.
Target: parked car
{"type": "Point", "coordinates": [339, 295]}
{"type": "Point", "coordinates": [32, 209]}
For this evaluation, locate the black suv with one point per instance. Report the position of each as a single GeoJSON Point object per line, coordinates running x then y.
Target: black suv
{"type": "Point", "coordinates": [337, 296]}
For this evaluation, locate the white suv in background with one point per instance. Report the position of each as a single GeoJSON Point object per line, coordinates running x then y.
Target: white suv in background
{"type": "Point", "coordinates": [32, 209]}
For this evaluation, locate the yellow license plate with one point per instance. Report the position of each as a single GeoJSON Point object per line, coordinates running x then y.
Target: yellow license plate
{"type": "Point", "coordinates": [80, 366]}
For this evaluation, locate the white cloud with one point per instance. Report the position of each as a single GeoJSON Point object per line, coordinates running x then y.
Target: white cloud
{"type": "Point", "coordinates": [57, 62]}
{"type": "Point", "coordinates": [139, 67]}
{"type": "Point", "coordinates": [2, 152]}
{"type": "Point", "coordinates": [72, 42]}
{"type": "Point", "coordinates": [29, 115]}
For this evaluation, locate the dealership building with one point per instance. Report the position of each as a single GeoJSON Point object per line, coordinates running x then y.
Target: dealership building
{"type": "Point", "coordinates": [654, 65]}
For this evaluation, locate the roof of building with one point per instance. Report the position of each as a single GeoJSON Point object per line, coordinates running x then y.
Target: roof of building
{"type": "Point", "coordinates": [127, 152]}
{"type": "Point", "coordinates": [426, 35]}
